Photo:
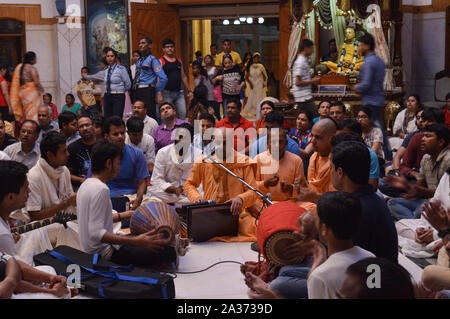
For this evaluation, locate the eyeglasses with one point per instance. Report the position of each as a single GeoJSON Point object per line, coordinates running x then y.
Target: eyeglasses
{"type": "Point", "coordinates": [362, 117]}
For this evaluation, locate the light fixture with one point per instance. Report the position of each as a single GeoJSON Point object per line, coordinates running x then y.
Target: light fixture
{"type": "Point", "coordinates": [260, 20]}
{"type": "Point", "coordinates": [242, 19]}
{"type": "Point", "coordinates": [226, 22]}
{"type": "Point", "coordinates": [249, 20]}
{"type": "Point", "coordinates": [237, 21]}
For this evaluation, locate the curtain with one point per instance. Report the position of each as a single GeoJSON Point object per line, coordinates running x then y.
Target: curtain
{"type": "Point", "coordinates": [311, 33]}
{"type": "Point", "coordinates": [339, 24]}
{"type": "Point", "coordinates": [294, 43]}
{"type": "Point", "coordinates": [374, 27]}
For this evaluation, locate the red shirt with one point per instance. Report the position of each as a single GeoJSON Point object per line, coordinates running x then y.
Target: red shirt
{"type": "Point", "coordinates": [2, 98]}
{"type": "Point", "coordinates": [413, 155]}
{"type": "Point", "coordinates": [447, 116]}
{"type": "Point", "coordinates": [54, 111]}
{"type": "Point", "coordinates": [239, 130]}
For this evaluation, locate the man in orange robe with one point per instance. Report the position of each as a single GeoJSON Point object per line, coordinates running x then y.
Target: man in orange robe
{"type": "Point", "coordinates": [220, 186]}
{"type": "Point", "coordinates": [319, 178]}
{"type": "Point", "coordinates": [278, 171]}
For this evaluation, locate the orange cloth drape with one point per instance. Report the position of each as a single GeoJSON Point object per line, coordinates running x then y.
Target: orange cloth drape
{"type": "Point", "coordinates": [25, 99]}
{"type": "Point", "coordinates": [319, 178]}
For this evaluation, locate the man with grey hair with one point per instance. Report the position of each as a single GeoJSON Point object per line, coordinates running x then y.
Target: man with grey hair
{"type": "Point", "coordinates": [45, 121]}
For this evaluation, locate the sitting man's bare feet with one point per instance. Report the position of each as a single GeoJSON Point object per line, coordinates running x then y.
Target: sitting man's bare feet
{"type": "Point", "coordinates": [254, 282]}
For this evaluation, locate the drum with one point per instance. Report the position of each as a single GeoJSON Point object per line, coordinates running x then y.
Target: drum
{"type": "Point", "coordinates": [157, 215]}
{"type": "Point", "coordinates": [275, 232]}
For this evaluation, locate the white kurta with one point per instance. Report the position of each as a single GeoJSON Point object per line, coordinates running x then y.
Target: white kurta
{"type": "Point", "coordinates": [168, 171]}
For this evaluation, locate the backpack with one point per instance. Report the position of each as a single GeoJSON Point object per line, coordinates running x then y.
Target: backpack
{"type": "Point", "coordinates": [102, 278]}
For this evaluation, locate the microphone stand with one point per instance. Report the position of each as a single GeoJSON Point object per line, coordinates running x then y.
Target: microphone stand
{"type": "Point", "coordinates": [265, 198]}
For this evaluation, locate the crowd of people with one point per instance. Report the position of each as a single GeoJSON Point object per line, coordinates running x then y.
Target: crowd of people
{"type": "Point", "coordinates": [357, 213]}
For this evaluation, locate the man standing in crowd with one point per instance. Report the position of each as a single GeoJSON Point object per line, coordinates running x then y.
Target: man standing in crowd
{"type": "Point", "coordinates": [302, 78]}
{"type": "Point", "coordinates": [150, 78]}
{"type": "Point", "coordinates": [371, 87]}
{"type": "Point", "coordinates": [226, 49]}
{"type": "Point", "coordinates": [85, 91]}
{"type": "Point", "coordinates": [173, 68]}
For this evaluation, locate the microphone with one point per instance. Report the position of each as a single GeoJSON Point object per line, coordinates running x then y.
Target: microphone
{"type": "Point", "coordinates": [209, 157]}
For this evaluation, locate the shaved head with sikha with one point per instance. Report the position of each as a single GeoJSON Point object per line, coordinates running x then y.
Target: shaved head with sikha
{"type": "Point", "coordinates": [322, 132]}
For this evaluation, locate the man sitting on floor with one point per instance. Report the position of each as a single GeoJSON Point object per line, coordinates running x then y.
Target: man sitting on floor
{"type": "Point", "coordinates": [137, 138]}
{"type": "Point", "coordinates": [350, 162]}
{"type": "Point", "coordinates": [173, 165]}
{"type": "Point", "coordinates": [278, 169]}
{"type": "Point", "coordinates": [339, 216]}
{"type": "Point", "coordinates": [234, 120]}
{"type": "Point", "coordinates": [13, 196]}
{"type": "Point", "coordinates": [132, 176]}
{"type": "Point", "coordinates": [51, 192]}
{"type": "Point", "coordinates": [68, 126]}
{"type": "Point", "coordinates": [432, 167]}
{"type": "Point", "coordinates": [45, 121]}
{"type": "Point", "coordinates": [96, 219]}
{"type": "Point", "coordinates": [337, 111]}
{"type": "Point", "coordinates": [139, 109]}
{"type": "Point", "coordinates": [80, 151]}
{"type": "Point", "coordinates": [319, 180]}
{"type": "Point", "coordinates": [50, 188]}
{"type": "Point", "coordinates": [353, 126]}
{"type": "Point", "coordinates": [163, 133]}
{"type": "Point", "coordinates": [273, 120]}
{"type": "Point", "coordinates": [203, 143]}
{"type": "Point", "coordinates": [27, 150]}
{"type": "Point", "coordinates": [221, 187]}
{"type": "Point", "coordinates": [5, 138]}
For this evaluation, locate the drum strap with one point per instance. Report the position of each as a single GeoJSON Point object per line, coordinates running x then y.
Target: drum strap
{"type": "Point", "coordinates": [111, 273]}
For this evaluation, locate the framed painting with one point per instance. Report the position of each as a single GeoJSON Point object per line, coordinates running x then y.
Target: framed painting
{"type": "Point", "coordinates": [106, 26]}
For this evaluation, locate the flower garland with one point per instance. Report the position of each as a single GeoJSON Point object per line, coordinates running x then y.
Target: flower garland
{"type": "Point", "coordinates": [355, 57]}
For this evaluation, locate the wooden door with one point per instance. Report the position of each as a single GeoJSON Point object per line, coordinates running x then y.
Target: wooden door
{"type": "Point", "coordinates": [158, 22]}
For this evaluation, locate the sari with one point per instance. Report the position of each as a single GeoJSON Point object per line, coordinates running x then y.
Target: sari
{"type": "Point", "coordinates": [25, 99]}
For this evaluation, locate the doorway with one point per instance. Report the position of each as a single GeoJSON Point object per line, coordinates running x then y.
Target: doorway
{"type": "Point", "coordinates": [12, 42]}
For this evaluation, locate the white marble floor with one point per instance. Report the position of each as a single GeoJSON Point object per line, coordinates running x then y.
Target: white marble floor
{"type": "Point", "coordinates": [225, 281]}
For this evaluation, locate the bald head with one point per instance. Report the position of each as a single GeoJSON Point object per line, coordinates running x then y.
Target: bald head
{"type": "Point", "coordinates": [322, 133]}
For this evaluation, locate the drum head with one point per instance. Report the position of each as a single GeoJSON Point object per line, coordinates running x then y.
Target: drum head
{"type": "Point", "coordinates": [276, 244]}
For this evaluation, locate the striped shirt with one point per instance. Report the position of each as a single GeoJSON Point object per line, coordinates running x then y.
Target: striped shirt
{"type": "Point", "coordinates": [302, 69]}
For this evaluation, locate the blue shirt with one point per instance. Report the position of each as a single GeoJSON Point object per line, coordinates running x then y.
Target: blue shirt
{"type": "Point", "coordinates": [260, 145]}
{"type": "Point", "coordinates": [120, 80]}
{"type": "Point", "coordinates": [377, 232]}
{"type": "Point", "coordinates": [374, 165]}
{"type": "Point", "coordinates": [372, 77]}
{"type": "Point", "coordinates": [150, 71]}
{"type": "Point", "coordinates": [133, 167]}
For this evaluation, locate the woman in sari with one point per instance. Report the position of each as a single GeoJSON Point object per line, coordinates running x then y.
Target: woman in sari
{"type": "Point", "coordinates": [26, 90]}
{"type": "Point", "coordinates": [256, 78]}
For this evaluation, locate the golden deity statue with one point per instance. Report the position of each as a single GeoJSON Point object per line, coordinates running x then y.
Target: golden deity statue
{"type": "Point", "coordinates": [349, 58]}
